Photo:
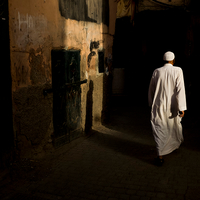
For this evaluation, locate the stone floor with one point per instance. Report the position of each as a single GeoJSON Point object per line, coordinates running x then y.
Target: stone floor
{"type": "Point", "coordinates": [115, 162]}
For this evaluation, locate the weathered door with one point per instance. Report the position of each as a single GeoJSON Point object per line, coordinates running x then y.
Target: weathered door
{"type": "Point", "coordinates": [66, 95]}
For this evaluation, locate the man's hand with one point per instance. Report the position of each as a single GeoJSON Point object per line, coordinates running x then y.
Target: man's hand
{"type": "Point", "coordinates": [182, 113]}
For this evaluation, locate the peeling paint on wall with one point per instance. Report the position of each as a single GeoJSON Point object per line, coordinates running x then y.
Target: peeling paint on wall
{"type": "Point", "coordinates": [20, 69]}
{"type": "Point", "coordinates": [37, 74]}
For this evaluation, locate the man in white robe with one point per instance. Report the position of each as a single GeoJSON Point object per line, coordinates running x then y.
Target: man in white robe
{"type": "Point", "coordinates": [168, 102]}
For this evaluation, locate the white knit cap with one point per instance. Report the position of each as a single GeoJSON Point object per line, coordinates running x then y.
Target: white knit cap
{"type": "Point", "coordinates": [169, 56]}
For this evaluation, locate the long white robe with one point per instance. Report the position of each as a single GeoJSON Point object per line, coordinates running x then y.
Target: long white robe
{"type": "Point", "coordinates": [167, 97]}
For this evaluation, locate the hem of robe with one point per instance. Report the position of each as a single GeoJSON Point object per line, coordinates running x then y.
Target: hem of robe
{"type": "Point", "coordinates": [168, 152]}
{"type": "Point", "coordinates": [169, 146]}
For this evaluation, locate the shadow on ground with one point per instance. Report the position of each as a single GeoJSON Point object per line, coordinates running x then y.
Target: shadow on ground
{"type": "Point", "coordinates": [132, 147]}
{"type": "Point", "coordinates": [128, 131]}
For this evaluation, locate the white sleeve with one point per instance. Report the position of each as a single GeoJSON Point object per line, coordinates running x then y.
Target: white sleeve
{"type": "Point", "coordinates": [180, 88]}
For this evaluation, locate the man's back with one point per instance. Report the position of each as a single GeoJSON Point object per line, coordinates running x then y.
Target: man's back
{"type": "Point", "coordinates": [165, 87]}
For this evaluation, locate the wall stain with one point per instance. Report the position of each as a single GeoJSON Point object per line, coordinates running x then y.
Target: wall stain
{"type": "Point", "coordinates": [31, 118]}
{"type": "Point", "coordinates": [93, 45]}
{"type": "Point", "coordinates": [37, 74]}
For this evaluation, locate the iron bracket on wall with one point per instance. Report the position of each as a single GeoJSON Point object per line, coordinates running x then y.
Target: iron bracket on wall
{"type": "Point", "coordinates": [66, 86]}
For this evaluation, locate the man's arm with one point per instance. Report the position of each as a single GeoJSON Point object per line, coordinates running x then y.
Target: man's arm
{"type": "Point", "coordinates": [151, 91]}
{"type": "Point", "coordinates": [181, 96]}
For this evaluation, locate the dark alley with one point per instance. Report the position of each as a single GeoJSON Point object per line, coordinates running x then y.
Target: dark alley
{"type": "Point", "coordinates": [75, 117]}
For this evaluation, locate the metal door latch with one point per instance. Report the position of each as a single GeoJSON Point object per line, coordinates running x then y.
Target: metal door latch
{"type": "Point", "coordinates": [75, 83]}
{"type": "Point", "coordinates": [67, 85]}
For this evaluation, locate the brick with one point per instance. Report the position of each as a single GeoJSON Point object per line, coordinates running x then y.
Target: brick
{"type": "Point", "coordinates": [110, 195]}
{"type": "Point", "coordinates": [147, 188]}
{"type": "Point", "coordinates": [101, 193]}
{"type": "Point", "coordinates": [181, 192]}
{"type": "Point", "coordinates": [108, 189]}
{"type": "Point", "coordinates": [131, 192]}
{"type": "Point", "coordinates": [170, 191]}
{"type": "Point", "coordinates": [87, 196]}
{"type": "Point", "coordinates": [134, 187]}
{"type": "Point", "coordinates": [180, 187]}
{"type": "Point", "coordinates": [140, 193]}
{"type": "Point", "coordinates": [104, 183]}
{"type": "Point", "coordinates": [160, 190]}
{"type": "Point", "coordinates": [171, 196]}
{"type": "Point", "coordinates": [151, 194]}
{"type": "Point", "coordinates": [145, 198]}
{"type": "Point", "coordinates": [134, 197]}
{"type": "Point", "coordinates": [182, 197]}
{"type": "Point", "coordinates": [119, 190]}
{"type": "Point", "coordinates": [102, 198]}
{"type": "Point", "coordinates": [161, 195]}
{"type": "Point", "coordinates": [117, 185]}
{"type": "Point", "coordinates": [124, 196]}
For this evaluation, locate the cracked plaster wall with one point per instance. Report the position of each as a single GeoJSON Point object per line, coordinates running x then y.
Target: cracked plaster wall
{"type": "Point", "coordinates": [37, 27]}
